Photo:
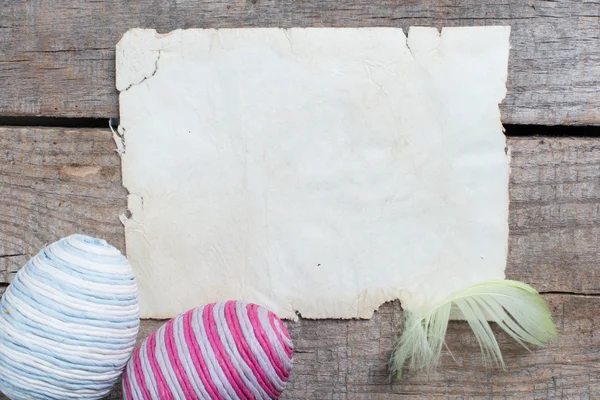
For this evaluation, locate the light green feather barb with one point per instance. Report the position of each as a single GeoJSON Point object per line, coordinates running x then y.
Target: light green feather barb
{"type": "Point", "coordinates": [515, 306]}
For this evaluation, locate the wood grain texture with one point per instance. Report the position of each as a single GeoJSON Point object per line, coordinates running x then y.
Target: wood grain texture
{"type": "Point", "coordinates": [54, 182]}
{"type": "Point", "coordinates": [57, 57]}
{"type": "Point", "coordinates": [554, 216]}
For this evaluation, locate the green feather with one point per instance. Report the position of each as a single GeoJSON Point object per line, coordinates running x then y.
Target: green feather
{"type": "Point", "coordinates": [515, 306]}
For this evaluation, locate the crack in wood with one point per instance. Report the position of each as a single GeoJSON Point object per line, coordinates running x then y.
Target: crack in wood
{"type": "Point", "coordinates": [71, 50]}
{"type": "Point", "coordinates": [566, 293]}
{"type": "Point", "coordinates": [11, 255]}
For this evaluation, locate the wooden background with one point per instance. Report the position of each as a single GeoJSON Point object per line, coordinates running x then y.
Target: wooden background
{"type": "Point", "coordinates": [57, 60]}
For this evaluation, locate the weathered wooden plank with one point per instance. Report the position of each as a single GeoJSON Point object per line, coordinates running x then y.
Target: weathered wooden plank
{"type": "Point", "coordinates": [55, 182]}
{"type": "Point", "coordinates": [554, 216]}
{"type": "Point", "coordinates": [57, 57]}
{"type": "Point", "coordinates": [336, 359]}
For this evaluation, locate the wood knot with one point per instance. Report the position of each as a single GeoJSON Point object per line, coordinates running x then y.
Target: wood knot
{"type": "Point", "coordinates": [80, 171]}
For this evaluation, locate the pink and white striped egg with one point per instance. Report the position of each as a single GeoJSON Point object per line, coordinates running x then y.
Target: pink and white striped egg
{"type": "Point", "coordinates": [227, 350]}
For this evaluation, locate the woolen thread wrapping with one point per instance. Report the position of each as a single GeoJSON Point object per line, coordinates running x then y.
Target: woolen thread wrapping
{"type": "Point", "coordinates": [226, 350]}
{"type": "Point", "coordinates": [68, 322]}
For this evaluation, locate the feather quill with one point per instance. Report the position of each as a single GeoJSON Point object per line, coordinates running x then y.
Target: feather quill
{"type": "Point", "coordinates": [515, 306]}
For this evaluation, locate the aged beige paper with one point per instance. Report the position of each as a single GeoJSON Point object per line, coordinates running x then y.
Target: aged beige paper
{"type": "Point", "coordinates": [313, 171]}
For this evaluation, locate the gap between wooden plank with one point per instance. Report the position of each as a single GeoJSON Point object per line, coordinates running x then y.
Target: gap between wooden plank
{"type": "Point", "coordinates": [58, 57]}
{"type": "Point", "coordinates": [511, 130]}
{"type": "Point", "coordinates": [55, 122]}
{"type": "Point", "coordinates": [4, 285]}
{"type": "Point", "coordinates": [517, 131]}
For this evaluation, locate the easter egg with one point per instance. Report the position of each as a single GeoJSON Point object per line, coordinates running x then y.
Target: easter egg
{"type": "Point", "coordinates": [68, 322]}
{"type": "Point", "coordinates": [227, 350]}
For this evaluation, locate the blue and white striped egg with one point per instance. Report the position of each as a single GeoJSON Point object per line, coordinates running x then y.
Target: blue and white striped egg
{"type": "Point", "coordinates": [68, 322]}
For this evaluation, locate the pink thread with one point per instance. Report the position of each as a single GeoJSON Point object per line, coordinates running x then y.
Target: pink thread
{"type": "Point", "coordinates": [163, 389]}
{"type": "Point", "coordinates": [232, 375]}
{"type": "Point", "coordinates": [198, 358]}
{"type": "Point", "coordinates": [212, 354]}
{"type": "Point", "coordinates": [236, 331]}
{"type": "Point", "coordinates": [126, 387]}
{"type": "Point", "coordinates": [264, 342]}
{"type": "Point", "coordinates": [287, 350]}
{"type": "Point", "coordinates": [139, 374]}
{"type": "Point", "coordinates": [176, 363]}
